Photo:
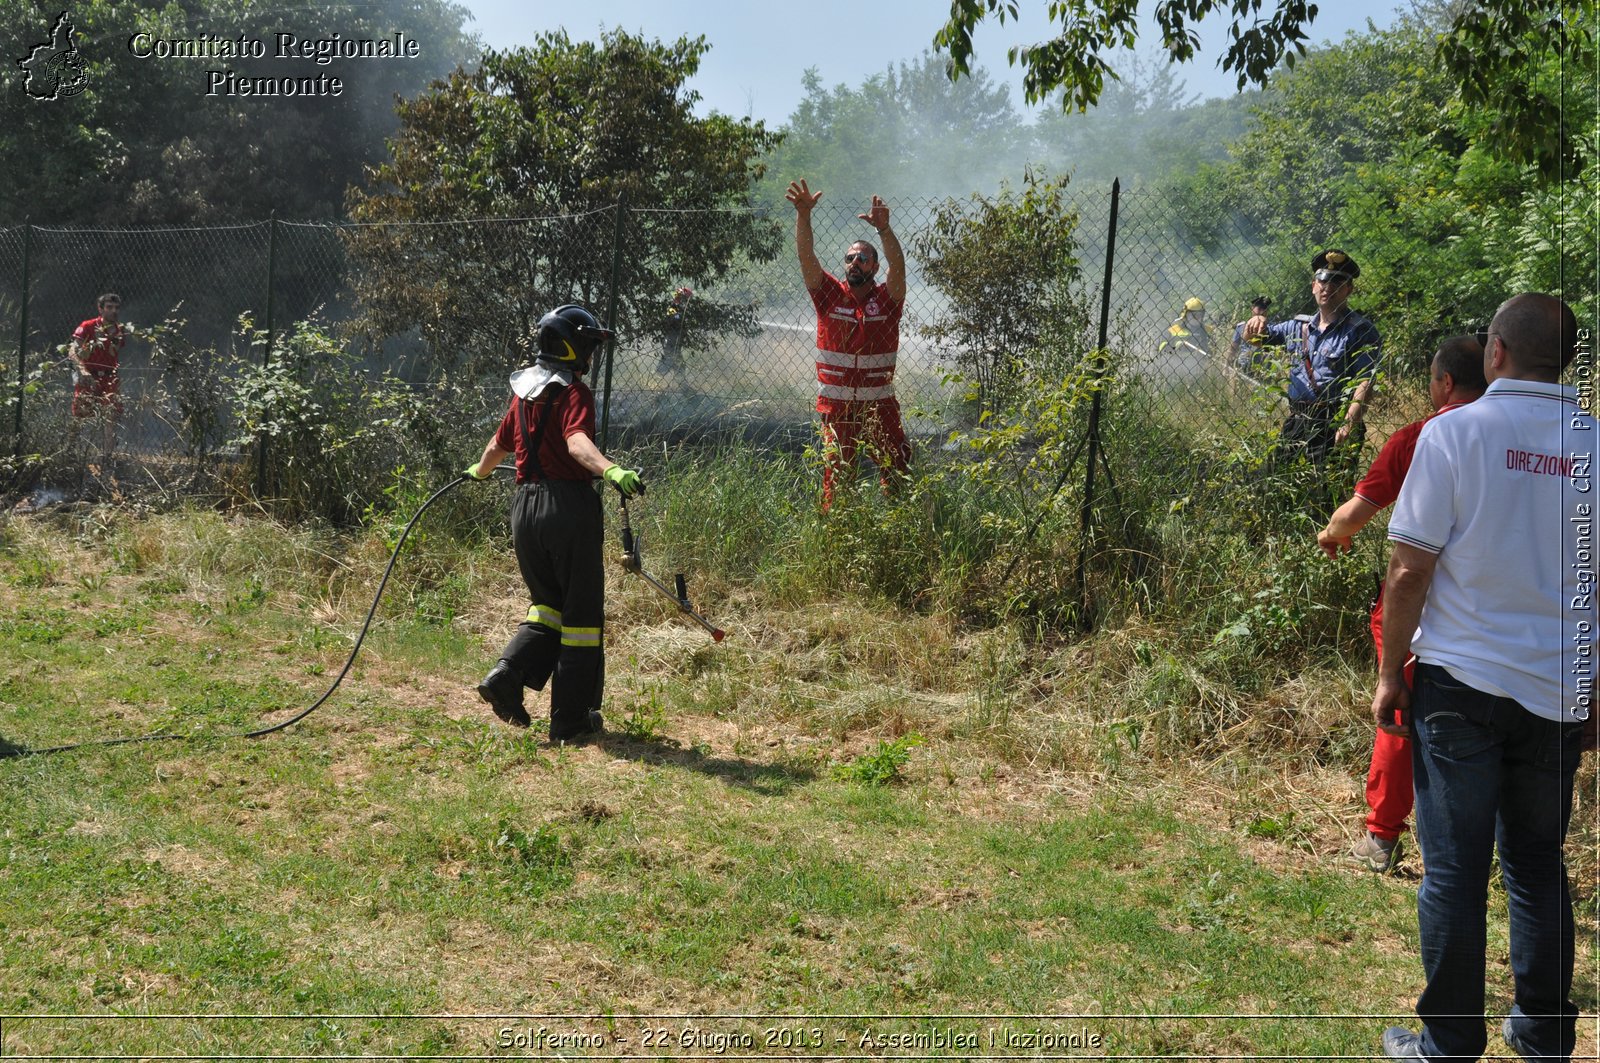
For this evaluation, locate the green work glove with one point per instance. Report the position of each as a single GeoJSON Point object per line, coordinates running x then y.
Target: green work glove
{"type": "Point", "coordinates": [625, 480]}
{"type": "Point", "coordinates": [472, 471]}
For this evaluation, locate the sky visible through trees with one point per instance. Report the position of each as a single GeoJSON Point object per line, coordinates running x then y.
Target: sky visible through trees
{"type": "Point", "coordinates": [757, 61]}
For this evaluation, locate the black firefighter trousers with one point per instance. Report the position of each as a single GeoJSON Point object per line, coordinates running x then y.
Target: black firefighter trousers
{"type": "Point", "coordinates": [557, 530]}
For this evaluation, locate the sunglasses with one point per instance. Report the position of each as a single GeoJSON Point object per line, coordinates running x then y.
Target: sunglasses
{"type": "Point", "coordinates": [858, 256]}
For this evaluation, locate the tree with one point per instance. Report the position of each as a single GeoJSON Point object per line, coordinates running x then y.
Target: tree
{"type": "Point", "coordinates": [942, 136]}
{"type": "Point", "coordinates": [1146, 127]}
{"type": "Point", "coordinates": [547, 141]}
{"type": "Point", "coordinates": [1528, 68]}
{"type": "Point", "coordinates": [1008, 267]}
{"type": "Point", "coordinates": [1347, 109]}
{"type": "Point", "coordinates": [1361, 147]}
{"type": "Point", "coordinates": [1490, 50]}
{"type": "Point", "coordinates": [1074, 61]}
{"type": "Point", "coordinates": [143, 143]}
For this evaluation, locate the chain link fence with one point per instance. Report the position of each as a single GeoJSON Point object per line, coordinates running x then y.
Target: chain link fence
{"type": "Point", "coordinates": [13, 326]}
{"type": "Point", "coordinates": [427, 320]}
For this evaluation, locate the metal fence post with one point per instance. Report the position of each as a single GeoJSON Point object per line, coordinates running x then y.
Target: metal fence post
{"type": "Point", "coordinates": [611, 318]}
{"type": "Point", "coordinates": [1087, 515]}
{"type": "Point", "coordinates": [22, 342]}
{"type": "Point", "coordinates": [266, 352]}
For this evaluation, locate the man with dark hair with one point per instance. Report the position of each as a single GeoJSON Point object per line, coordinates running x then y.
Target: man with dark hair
{"type": "Point", "coordinates": [858, 335]}
{"type": "Point", "coordinates": [1492, 571]}
{"type": "Point", "coordinates": [1328, 352]}
{"type": "Point", "coordinates": [1456, 379]}
{"type": "Point", "coordinates": [96, 386]}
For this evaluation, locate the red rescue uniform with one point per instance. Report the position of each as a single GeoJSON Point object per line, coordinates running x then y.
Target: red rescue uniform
{"type": "Point", "coordinates": [858, 337]}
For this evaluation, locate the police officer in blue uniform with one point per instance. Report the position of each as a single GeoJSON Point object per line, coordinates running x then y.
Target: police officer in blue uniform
{"type": "Point", "coordinates": [1329, 352]}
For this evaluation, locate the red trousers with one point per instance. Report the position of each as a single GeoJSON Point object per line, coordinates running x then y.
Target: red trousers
{"type": "Point", "coordinates": [1389, 794]}
{"type": "Point", "coordinates": [875, 425]}
{"type": "Point", "coordinates": [94, 392]}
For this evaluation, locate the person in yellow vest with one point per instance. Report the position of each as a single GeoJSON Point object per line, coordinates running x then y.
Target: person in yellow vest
{"type": "Point", "coordinates": [1189, 329]}
{"type": "Point", "coordinates": [671, 360]}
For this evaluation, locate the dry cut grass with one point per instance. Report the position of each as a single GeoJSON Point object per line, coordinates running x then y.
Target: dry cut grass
{"type": "Point", "coordinates": [1107, 826]}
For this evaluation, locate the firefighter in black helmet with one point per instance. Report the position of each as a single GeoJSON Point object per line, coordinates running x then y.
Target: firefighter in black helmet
{"type": "Point", "coordinates": [556, 529]}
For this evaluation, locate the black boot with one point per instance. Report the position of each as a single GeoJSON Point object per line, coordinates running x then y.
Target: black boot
{"type": "Point", "coordinates": [576, 727]}
{"type": "Point", "coordinates": [502, 689]}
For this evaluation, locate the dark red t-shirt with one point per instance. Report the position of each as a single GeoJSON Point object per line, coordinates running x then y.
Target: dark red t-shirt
{"type": "Point", "coordinates": [1381, 485]}
{"type": "Point", "coordinates": [99, 344]}
{"type": "Point", "coordinates": [572, 410]}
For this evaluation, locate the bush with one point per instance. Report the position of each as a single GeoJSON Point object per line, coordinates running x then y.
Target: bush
{"type": "Point", "coordinates": [1008, 268]}
{"type": "Point", "coordinates": [333, 433]}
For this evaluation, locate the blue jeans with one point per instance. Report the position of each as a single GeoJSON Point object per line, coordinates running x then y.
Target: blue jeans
{"type": "Point", "coordinates": [1489, 774]}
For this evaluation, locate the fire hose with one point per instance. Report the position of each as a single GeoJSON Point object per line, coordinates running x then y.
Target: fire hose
{"type": "Point", "coordinates": [261, 732]}
{"type": "Point", "coordinates": [630, 562]}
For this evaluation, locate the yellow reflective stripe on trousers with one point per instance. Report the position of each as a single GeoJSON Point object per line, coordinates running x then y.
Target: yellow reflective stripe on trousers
{"type": "Point", "coordinates": [581, 637]}
{"type": "Point", "coordinates": [543, 614]}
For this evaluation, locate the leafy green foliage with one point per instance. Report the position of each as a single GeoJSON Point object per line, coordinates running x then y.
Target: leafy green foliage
{"type": "Point", "coordinates": [562, 131]}
{"type": "Point", "coordinates": [1075, 60]}
{"type": "Point", "coordinates": [333, 432]}
{"type": "Point", "coordinates": [1521, 63]}
{"type": "Point", "coordinates": [1366, 146]}
{"type": "Point", "coordinates": [941, 136]}
{"type": "Point", "coordinates": [1008, 269]}
{"type": "Point", "coordinates": [1526, 69]}
{"type": "Point", "coordinates": [144, 144]}
{"type": "Point", "coordinates": [882, 765]}
{"type": "Point", "coordinates": [190, 384]}
{"type": "Point", "coordinates": [647, 722]}
{"type": "Point", "coordinates": [541, 849]}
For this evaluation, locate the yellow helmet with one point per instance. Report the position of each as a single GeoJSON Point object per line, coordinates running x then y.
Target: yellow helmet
{"type": "Point", "coordinates": [1194, 304]}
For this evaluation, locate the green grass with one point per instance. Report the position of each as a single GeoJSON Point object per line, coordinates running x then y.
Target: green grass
{"type": "Point", "coordinates": [1082, 829]}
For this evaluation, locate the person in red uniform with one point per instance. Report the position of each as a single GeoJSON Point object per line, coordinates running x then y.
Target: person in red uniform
{"type": "Point", "coordinates": [556, 529]}
{"type": "Point", "coordinates": [1456, 379]}
{"type": "Point", "coordinates": [858, 336]}
{"type": "Point", "coordinates": [95, 349]}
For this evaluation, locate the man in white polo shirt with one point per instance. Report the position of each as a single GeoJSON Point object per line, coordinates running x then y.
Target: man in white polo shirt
{"type": "Point", "coordinates": [1493, 570]}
